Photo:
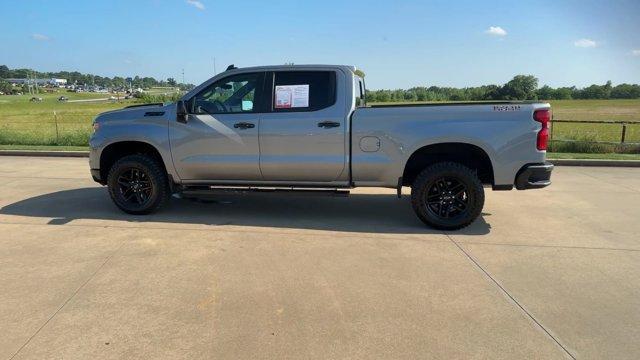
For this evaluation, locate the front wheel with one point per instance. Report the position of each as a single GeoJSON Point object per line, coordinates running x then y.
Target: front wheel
{"type": "Point", "coordinates": [447, 196]}
{"type": "Point", "coordinates": [138, 184]}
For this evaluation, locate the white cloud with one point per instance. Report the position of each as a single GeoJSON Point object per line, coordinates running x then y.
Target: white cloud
{"type": "Point", "coordinates": [585, 43]}
{"type": "Point", "coordinates": [40, 37]}
{"type": "Point", "coordinates": [496, 31]}
{"type": "Point", "coordinates": [196, 3]}
{"type": "Point", "coordinates": [635, 52]}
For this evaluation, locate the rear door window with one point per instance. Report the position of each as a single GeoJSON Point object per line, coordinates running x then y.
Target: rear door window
{"type": "Point", "coordinates": [303, 90]}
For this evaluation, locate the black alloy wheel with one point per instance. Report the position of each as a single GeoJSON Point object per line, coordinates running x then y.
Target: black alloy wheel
{"type": "Point", "coordinates": [134, 186]}
{"type": "Point", "coordinates": [446, 198]}
{"type": "Point", "coordinates": [138, 184]}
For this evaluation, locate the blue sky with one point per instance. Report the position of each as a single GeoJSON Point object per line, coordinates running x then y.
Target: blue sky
{"type": "Point", "coordinates": [398, 44]}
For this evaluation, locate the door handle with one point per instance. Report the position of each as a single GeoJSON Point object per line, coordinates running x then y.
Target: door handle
{"type": "Point", "coordinates": [244, 125]}
{"type": "Point", "coordinates": [328, 124]}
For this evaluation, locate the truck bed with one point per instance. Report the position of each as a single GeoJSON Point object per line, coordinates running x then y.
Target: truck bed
{"type": "Point", "coordinates": [457, 103]}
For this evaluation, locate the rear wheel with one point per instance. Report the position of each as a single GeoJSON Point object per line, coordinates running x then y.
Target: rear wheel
{"type": "Point", "coordinates": [447, 196]}
{"type": "Point", "coordinates": [138, 184]}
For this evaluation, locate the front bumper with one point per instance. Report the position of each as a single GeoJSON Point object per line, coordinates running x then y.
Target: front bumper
{"type": "Point", "coordinates": [95, 174]}
{"type": "Point", "coordinates": [534, 176]}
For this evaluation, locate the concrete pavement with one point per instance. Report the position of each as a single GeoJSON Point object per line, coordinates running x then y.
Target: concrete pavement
{"type": "Point", "coordinates": [552, 273]}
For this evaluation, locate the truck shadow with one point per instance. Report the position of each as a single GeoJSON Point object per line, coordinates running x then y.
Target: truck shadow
{"type": "Point", "coordinates": [370, 213]}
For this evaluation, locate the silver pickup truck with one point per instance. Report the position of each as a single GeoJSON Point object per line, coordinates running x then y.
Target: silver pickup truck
{"type": "Point", "coordinates": [308, 128]}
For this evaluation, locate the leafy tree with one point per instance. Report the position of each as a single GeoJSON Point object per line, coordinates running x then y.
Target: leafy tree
{"type": "Point", "coordinates": [5, 87]}
{"type": "Point", "coordinates": [171, 82]}
{"type": "Point", "coordinates": [625, 91]}
{"type": "Point", "coordinates": [521, 87]}
{"type": "Point", "coordinates": [546, 93]}
{"type": "Point", "coordinates": [563, 93]}
{"type": "Point", "coordinates": [4, 72]}
{"type": "Point", "coordinates": [359, 73]}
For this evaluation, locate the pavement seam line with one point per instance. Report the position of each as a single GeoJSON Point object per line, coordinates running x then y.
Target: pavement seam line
{"type": "Point", "coordinates": [106, 260]}
{"type": "Point", "coordinates": [526, 312]}
{"type": "Point", "coordinates": [550, 246]}
{"type": "Point", "coordinates": [605, 181]}
{"type": "Point", "coordinates": [217, 228]}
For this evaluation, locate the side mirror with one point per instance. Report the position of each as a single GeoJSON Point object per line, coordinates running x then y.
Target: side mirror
{"type": "Point", "coordinates": [181, 112]}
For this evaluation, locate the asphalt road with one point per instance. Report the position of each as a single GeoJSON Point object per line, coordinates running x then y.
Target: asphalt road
{"type": "Point", "coordinates": [551, 273]}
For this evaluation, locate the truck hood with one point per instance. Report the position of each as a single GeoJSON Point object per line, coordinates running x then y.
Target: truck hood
{"type": "Point", "coordinates": [134, 112]}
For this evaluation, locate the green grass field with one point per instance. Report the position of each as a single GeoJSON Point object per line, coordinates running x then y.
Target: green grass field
{"type": "Point", "coordinates": [23, 122]}
{"type": "Point", "coordinates": [33, 123]}
{"type": "Point", "coordinates": [595, 110]}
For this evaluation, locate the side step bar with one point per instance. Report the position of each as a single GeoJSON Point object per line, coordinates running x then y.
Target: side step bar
{"type": "Point", "coordinates": [196, 191]}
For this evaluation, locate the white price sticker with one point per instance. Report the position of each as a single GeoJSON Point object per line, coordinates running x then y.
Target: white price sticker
{"type": "Point", "coordinates": [292, 96]}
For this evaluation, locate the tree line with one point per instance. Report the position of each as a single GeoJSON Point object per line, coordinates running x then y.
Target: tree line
{"type": "Point", "coordinates": [75, 77]}
{"type": "Point", "coordinates": [521, 87]}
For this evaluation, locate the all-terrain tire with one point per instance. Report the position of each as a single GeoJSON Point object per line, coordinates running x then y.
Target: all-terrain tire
{"type": "Point", "coordinates": [149, 185]}
{"type": "Point", "coordinates": [441, 190]}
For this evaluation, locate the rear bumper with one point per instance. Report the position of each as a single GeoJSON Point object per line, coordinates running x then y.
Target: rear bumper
{"type": "Point", "coordinates": [534, 176]}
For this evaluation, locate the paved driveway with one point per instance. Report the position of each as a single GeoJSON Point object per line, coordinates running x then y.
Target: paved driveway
{"type": "Point", "coordinates": [553, 273]}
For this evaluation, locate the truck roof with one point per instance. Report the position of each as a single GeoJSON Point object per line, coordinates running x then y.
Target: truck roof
{"type": "Point", "coordinates": [297, 67]}
{"type": "Point", "coordinates": [232, 69]}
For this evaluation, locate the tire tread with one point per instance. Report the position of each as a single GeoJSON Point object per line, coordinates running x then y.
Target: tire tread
{"type": "Point", "coordinates": [155, 170]}
{"type": "Point", "coordinates": [437, 170]}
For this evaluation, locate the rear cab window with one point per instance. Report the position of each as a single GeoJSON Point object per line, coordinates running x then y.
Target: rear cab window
{"type": "Point", "coordinates": [295, 91]}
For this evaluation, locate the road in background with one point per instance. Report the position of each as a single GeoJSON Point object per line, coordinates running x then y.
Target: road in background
{"type": "Point", "coordinates": [552, 273]}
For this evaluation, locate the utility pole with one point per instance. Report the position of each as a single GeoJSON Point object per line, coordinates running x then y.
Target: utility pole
{"type": "Point", "coordinates": [183, 75]}
{"type": "Point", "coordinates": [35, 80]}
{"type": "Point", "coordinates": [31, 85]}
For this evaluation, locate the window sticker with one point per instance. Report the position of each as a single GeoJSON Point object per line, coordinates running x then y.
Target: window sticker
{"type": "Point", "coordinates": [292, 96]}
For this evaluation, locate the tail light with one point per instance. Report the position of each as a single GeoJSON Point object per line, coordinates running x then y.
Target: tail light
{"type": "Point", "coordinates": [543, 116]}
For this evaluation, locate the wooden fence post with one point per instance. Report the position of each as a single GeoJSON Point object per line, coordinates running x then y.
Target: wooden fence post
{"type": "Point", "coordinates": [55, 120]}
{"type": "Point", "coordinates": [624, 132]}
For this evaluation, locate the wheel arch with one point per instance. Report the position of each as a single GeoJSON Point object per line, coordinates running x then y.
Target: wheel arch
{"type": "Point", "coordinates": [117, 150]}
{"type": "Point", "coordinates": [467, 154]}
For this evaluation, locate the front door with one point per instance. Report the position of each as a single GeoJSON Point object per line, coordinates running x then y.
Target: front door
{"type": "Point", "coordinates": [302, 136]}
{"type": "Point", "coordinates": [219, 141]}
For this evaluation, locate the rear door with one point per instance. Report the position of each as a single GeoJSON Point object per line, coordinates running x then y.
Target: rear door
{"type": "Point", "coordinates": [302, 136]}
{"type": "Point", "coordinates": [219, 141]}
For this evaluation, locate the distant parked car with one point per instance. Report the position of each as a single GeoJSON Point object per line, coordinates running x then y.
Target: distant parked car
{"type": "Point", "coordinates": [36, 99]}
{"type": "Point", "coordinates": [63, 98]}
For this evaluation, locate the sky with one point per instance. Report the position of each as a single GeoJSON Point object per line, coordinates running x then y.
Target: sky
{"type": "Point", "coordinates": [398, 44]}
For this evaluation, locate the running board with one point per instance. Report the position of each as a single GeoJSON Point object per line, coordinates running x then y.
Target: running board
{"type": "Point", "coordinates": [196, 191]}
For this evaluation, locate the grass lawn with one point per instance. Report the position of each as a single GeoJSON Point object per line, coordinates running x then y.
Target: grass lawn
{"type": "Point", "coordinates": [33, 123]}
{"type": "Point", "coordinates": [608, 156]}
{"type": "Point", "coordinates": [44, 147]}
{"type": "Point", "coordinates": [594, 110]}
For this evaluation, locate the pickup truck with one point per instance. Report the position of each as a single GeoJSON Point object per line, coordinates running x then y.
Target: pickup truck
{"type": "Point", "coordinates": [308, 128]}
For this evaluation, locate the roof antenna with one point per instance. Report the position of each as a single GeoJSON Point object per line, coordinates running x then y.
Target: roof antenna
{"type": "Point", "coordinates": [231, 67]}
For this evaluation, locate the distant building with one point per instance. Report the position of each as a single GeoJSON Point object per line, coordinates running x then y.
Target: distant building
{"type": "Point", "coordinates": [52, 81]}
{"type": "Point", "coordinates": [58, 82]}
